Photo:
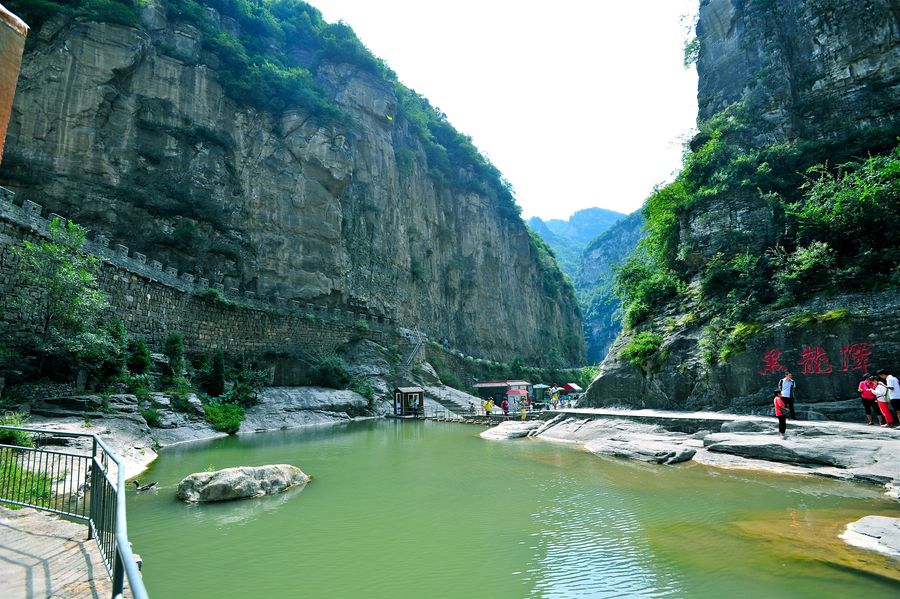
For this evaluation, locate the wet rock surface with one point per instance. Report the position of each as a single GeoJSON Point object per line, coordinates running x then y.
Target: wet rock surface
{"type": "Point", "coordinates": [240, 483]}
{"type": "Point", "coordinates": [829, 449]}
{"type": "Point", "coordinates": [511, 429]}
{"type": "Point", "coordinates": [876, 533]}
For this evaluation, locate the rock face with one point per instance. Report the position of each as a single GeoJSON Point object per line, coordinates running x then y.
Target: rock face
{"type": "Point", "coordinates": [823, 74]}
{"type": "Point", "coordinates": [111, 130]}
{"type": "Point", "coordinates": [812, 66]}
{"type": "Point", "coordinates": [866, 339]}
{"type": "Point", "coordinates": [292, 407]}
{"type": "Point", "coordinates": [240, 483]}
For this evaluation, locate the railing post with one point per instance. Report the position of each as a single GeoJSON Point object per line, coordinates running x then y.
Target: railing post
{"type": "Point", "coordinates": [95, 478]}
{"type": "Point", "coordinates": [118, 577]}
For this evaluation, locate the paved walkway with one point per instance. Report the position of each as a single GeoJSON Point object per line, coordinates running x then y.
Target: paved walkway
{"type": "Point", "coordinates": [42, 555]}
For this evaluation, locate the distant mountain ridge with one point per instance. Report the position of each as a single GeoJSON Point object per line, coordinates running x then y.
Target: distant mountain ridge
{"type": "Point", "coordinates": [588, 245]}
{"type": "Point", "coordinates": [568, 238]}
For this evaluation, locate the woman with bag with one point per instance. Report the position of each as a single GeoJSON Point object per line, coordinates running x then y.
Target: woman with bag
{"type": "Point", "coordinates": [780, 409]}
{"type": "Point", "coordinates": [865, 388]}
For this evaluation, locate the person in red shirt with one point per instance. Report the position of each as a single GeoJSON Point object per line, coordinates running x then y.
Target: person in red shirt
{"type": "Point", "coordinates": [866, 390]}
{"type": "Point", "coordinates": [780, 408]}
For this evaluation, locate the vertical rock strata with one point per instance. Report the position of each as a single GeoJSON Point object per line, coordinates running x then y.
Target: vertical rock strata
{"type": "Point", "coordinates": [824, 74]}
{"type": "Point", "coordinates": [140, 145]}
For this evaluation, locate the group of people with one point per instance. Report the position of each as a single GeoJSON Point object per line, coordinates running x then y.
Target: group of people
{"type": "Point", "coordinates": [881, 390]}
{"type": "Point", "coordinates": [880, 394]}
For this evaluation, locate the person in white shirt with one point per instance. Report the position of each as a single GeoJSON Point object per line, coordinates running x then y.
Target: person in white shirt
{"type": "Point", "coordinates": [787, 386]}
{"type": "Point", "coordinates": [893, 392]}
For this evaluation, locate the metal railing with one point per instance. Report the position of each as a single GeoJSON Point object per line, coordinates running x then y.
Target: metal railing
{"type": "Point", "coordinates": [76, 486]}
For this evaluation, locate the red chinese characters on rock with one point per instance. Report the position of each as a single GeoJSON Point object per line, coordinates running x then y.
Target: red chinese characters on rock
{"type": "Point", "coordinates": [814, 360]}
{"type": "Point", "coordinates": [856, 357]}
{"type": "Point", "coordinates": [770, 362]}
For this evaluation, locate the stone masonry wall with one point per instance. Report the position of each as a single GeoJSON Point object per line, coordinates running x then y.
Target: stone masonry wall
{"type": "Point", "coordinates": [152, 301]}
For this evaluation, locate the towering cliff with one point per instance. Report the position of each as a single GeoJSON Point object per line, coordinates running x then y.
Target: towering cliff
{"type": "Point", "coordinates": [304, 171]}
{"type": "Point", "coordinates": [767, 253]}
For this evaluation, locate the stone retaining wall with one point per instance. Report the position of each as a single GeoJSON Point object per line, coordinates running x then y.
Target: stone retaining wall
{"type": "Point", "coordinates": [152, 301]}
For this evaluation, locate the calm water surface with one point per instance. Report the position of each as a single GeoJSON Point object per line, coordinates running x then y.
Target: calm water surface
{"type": "Point", "coordinates": [413, 509]}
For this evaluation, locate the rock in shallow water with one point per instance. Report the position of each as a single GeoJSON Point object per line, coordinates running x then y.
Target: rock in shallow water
{"type": "Point", "coordinates": [510, 429]}
{"type": "Point", "coordinates": [877, 533]}
{"type": "Point", "coordinates": [240, 483]}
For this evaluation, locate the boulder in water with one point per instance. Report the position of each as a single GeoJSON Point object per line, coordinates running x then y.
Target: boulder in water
{"type": "Point", "coordinates": [876, 533]}
{"type": "Point", "coordinates": [240, 483]}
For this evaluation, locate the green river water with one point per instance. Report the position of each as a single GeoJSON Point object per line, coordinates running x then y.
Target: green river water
{"type": "Point", "coordinates": [424, 509]}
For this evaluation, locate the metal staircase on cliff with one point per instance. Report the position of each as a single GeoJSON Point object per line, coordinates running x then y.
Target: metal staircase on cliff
{"type": "Point", "coordinates": [418, 340]}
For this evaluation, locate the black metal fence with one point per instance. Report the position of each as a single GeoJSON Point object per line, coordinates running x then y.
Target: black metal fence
{"type": "Point", "coordinates": [83, 487]}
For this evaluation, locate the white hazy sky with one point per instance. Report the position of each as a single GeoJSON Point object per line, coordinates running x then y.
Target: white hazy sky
{"type": "Point", "coordinates": [579, 103]}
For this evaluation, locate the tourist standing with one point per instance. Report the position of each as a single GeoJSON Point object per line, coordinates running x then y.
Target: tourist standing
{"type": "Point", "coordinates": [865, 388]}
{"type": "Point", "coordinates": [489, 407]}
{"type": "Point", "coordinates": [505, 405]}
{"type": "Point", "coordinates": [788, 388]}
{"type": "Point", "coordinates": [780, 414]}
{"type": "Point", "coordinates": [893, 390]}
{"type": "Point", "coordinates": [880, 393]}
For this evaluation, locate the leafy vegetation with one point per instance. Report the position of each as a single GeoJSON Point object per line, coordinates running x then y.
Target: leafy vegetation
{"type": "Point", "coordinates": [641, 348]}
{"type": "Point", "coordinates": [20, 438]}
{"type": "Point", "coordinates": [826, 234]}
{"type": "Point", "coordinates": [224, 417]}
{"type": "Point", "coordinates": [139, 358]}
{"type": "Point", "coordinates": [174, 351]}
{"type": "Point", "coordinates": [35, 488]}
{"type": "Point", "coordinates": [61, 329]}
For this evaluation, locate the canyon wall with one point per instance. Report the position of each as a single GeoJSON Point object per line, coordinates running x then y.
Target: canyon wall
{"type": "Point", "coordinates": [808, 81]}
{"type": "Point", "coordinates": [127, 130]}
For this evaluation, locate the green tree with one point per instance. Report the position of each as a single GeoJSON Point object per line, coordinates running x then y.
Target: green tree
{"type": "Point", "coordinates": [57, 292]}
{"type": "Point", "coordinates": [174, 350]}
{"type": "Point", "coordinates": [139, 360]}
{"type": "Point", "coordinates": [216, 383]}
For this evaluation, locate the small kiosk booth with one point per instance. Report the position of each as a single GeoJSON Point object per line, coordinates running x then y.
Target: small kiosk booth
{"type": "Point", "coordinates": [409, 401]}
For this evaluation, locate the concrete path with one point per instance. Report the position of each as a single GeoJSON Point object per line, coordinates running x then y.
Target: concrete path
{"type": "Point", "coordinates": [42, 555]}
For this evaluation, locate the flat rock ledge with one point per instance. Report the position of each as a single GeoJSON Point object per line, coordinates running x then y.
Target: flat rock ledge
{"type": "Point", "coordinates": [240, 483]}
{"type": "Point", "coordinates": [875, 533]}
{"type": "Point", "coordinates": [510, 429]}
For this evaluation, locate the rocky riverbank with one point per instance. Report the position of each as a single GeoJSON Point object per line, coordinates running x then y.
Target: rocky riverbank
{"type": "Point", "coordinates": [842, 450]}
{"type": "Point", "coordinates": [116, 419]}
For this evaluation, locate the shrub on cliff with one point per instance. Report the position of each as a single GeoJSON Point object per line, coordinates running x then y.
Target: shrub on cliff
{"type": "Point", "coordinates": [139, 358]}
{"type": "Point", "coordinates": [215, 385]}
{"type": "Point", "coordinates": [641, 348]}
{"type": "Point", "coordinates": [224, 417]}
{"type": "Point", "coordinates": [174, 351]}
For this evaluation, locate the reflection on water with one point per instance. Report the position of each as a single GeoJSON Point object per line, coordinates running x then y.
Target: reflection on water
{"type": "Point", "coordinates": [415, 509]}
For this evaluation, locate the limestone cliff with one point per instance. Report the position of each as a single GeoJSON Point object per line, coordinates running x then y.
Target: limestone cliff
{"type": "Point", "coordinates": [782, 86]}
{"type": "Point", "coordinates": [128, 130]}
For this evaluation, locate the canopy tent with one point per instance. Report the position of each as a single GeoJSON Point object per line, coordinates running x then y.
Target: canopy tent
{"type": "Point", "coordinates": [540, 386]}
{"type": "Point", "coordinates": [572, 387]}
{"type": "Point", "coordinates": [517, 392]}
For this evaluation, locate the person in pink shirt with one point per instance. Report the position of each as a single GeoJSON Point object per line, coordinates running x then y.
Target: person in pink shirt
{"type": "Point", "coordinates": [866, 388]}
{"type": "Point", "coordinates": [780, 413]}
